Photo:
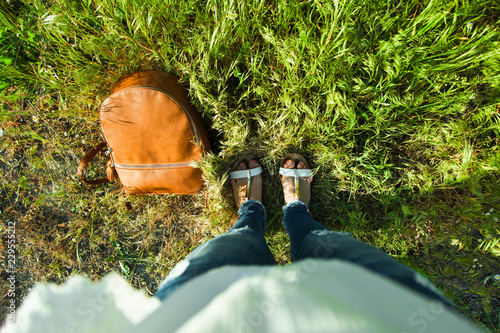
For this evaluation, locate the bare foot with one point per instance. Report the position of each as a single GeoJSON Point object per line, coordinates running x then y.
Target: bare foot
{"type": "Point", "coordinates": [240, 185]}
{"type": "Point", "coordinates": [289, 184]}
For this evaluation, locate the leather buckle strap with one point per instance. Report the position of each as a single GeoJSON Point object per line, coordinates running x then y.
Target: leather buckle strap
{"type": "Point", "coordinates": [86, 160]}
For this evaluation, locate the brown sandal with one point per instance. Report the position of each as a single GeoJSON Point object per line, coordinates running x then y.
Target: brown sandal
{"type": "Point", "coordinates": [300, 176]}
{"type": "Point", "coordinates": [242, 191]}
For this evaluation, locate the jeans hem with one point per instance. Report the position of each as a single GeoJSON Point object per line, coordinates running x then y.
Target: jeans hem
{"type": "Point", "coordinates": [292, 204]}
{"type": "Point", "coordinates": [243, 208]}
{"type": "Point", "coordinates": [249, 203]}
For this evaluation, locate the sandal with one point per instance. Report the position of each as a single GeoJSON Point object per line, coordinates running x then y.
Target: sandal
{"type": "Point", "coordinates": [241, 190]}
{"type": "Point", "coordinates": [302, 178]}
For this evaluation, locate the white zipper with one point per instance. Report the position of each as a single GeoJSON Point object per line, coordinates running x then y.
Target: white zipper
{"type": "Point", "coordinates": [152, 165]}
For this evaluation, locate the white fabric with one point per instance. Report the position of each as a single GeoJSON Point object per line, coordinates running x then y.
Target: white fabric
{"type": "Point", "coordinates": [308, 296]}
{"type": "Point", "coordinates": [294, 172]}
{"type": "Point", "coordinates": [79, 305]}
{"type": "Point", "coordinates": [244, 173]}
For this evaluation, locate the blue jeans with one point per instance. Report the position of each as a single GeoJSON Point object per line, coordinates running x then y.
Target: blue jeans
{"type": "Point", "coordinates": [244, 244]}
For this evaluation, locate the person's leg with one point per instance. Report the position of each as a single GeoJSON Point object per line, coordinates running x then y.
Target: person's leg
{"type": "Point", "coordinates": [243, 244]}
{"type": "Point", "coordinates": [311, 239]}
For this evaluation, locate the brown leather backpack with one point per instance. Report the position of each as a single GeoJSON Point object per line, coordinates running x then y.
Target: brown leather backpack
{"type": "Point", "coordinates": [153, 134]}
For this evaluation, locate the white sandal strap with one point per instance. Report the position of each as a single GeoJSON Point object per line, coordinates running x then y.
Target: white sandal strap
{"type": "Point", "coordinates": [244, 173]}
{"type": "Point", "coordinates": [295, 172]}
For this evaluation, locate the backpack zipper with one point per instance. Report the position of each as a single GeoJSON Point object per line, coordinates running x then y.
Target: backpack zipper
{"type": "Point", "coordinates": [151, 166]}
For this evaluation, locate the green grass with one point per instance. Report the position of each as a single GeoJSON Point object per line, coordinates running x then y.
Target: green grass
{"type": "Point", "coordinates": [395, 104]}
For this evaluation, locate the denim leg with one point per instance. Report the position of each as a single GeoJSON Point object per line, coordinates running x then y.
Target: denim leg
{"type": "Point", "coordinates": [310, 239]}
{"type": "Point", "coordinates": [243, 244]}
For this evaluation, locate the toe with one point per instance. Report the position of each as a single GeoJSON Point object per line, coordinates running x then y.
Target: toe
{"type": "Point", "coordinates": [290, 164]}
{"type": "Point", "coordinates": [253, 164]}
